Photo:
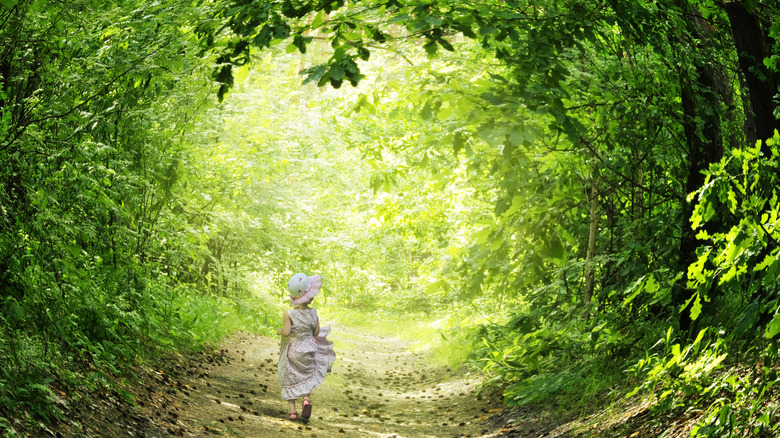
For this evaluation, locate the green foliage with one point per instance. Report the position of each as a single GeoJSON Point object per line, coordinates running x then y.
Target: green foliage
{"type": "Point", "coordinates": [26, 375]}
{"type": "Point", "coordinates": [530, 364]}
{"type": "Point", "coordinates": [697, 376]}
{"type": "Point", "coordinates": [735, 270]}
{"type": "Point", "coordinates": [741, 259]}
{"type": "Point", "coordinates": [350, 28]}
{"type": "Point", "coordinates": [680, 372]}
{"type": "Point", "coordinates": [546, 352]}
{"type": "Point", "coordinates": [194, 319]}
{"type": "Point", "coordinates": [137, 214]}
{"type": "Point", "coordinates": [94, 104]}
{"type": "Point", "coordinates": [743, 408]}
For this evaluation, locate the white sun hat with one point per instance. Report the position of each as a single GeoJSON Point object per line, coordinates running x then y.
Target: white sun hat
{"type": "Point", "coordinates": [303, 288]}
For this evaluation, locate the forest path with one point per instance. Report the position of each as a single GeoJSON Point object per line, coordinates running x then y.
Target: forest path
{"type": "Point", "coordinates": [377, 388]}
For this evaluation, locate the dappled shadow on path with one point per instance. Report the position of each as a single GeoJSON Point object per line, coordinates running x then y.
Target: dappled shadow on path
{"type": "Point", "coordinates": [378, 388]}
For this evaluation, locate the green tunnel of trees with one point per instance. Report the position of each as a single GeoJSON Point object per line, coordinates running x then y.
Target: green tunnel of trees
{"type": "Point", "coordinates": [576, 188]}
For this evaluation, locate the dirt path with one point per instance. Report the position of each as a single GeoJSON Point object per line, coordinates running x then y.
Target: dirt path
{"type": "Point", "coordinates": [377, 389]}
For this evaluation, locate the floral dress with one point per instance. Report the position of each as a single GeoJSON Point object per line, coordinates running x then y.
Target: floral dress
{"type": "Point", "coordinates": [304, 359]}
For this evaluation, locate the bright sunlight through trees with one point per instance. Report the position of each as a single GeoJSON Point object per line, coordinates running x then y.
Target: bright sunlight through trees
{"type": "Point", "coordinates": [559, 217]}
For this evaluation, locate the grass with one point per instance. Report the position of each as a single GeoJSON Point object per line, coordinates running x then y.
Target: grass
{"type": "Point", "coordinates": [207, 319]}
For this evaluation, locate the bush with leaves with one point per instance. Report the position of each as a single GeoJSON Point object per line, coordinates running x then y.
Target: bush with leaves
{"type": "Point", "coordinates": [744, 258]}
{"type": "Point", "coordinates": [737, 264]}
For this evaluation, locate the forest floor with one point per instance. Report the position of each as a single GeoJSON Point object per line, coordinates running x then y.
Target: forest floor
{"type": "Point", "coordinates": [378, 388]}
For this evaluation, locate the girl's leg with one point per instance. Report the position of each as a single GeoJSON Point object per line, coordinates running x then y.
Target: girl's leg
{"type": "Point", "coordinates": [291, 405]}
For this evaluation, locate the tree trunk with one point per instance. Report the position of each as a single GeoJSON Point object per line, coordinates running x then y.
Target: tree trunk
{"type": "Point", "coordinates": [751, 40]}
{"type": "Point", "coordinates": [592, 234]}
{"type": "Point", "coordinates": [701, 98]}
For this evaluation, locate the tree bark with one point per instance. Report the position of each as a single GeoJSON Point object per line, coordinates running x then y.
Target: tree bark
{"type": "Point", "coordinates": [752, 40]}
{"type": "Point", "coordinates": [592, 235]}
{"type": "Point", "coordinates": [701, 96]}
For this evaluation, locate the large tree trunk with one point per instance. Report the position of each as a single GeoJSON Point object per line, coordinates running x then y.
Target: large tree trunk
{"type": "Point", "coordinates": [752, 42]}
{"type": "Point", "coordinates": [759, 86]}
{"type": "Point", "coordinates": [701, 97]}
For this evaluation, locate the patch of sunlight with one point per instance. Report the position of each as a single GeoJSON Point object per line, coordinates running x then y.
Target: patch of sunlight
{"type": "Point", "coordinates": [341, 345]}
{"type": "Point", "coordinates": [423, 334]}
{"type": "Point", "coordinates": [337, 380]}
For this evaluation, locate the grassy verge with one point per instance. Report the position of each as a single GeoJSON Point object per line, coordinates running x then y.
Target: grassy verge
{"type": "Point", "coordinates": [78, 358]}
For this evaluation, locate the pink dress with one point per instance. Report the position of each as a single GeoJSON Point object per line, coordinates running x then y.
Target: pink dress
{"type": "Point", "coordinates": [304, 359]}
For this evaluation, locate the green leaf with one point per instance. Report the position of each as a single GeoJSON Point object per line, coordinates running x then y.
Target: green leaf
{"type": "Point", "coordinates": [700, 336]}
{"type": "Point", "coordinates": [363, 53]}
{"type": "Point", "coordinates": [732, 201]}
{"type": "Point", "coordinates": [319, 19]}
{"type": "Point", "coordinates": [399, 19]}
{"type": "Point", "coordinates": [696, 307]}
{"type": "Point", "coordinates": [773, 328]}
{"type": "Point", "coordinates": [768, 260]}
{"type": "Point", "coordinates": [336, 72]}
{"type": "Point", "coordinates": [651, 286]}
{"type": "Point", "coordinates": [676, 352]}
{"type": "Point", "coordinates": [431, 48]}
{"type": "Point", "coordinates": [300, 42]}
{"type": "Point", "coordinates": [634, 290]}
{"type": "Point", "coordinates": [446, 45]}
{"type": "Point", "coordinates": [318, 74]}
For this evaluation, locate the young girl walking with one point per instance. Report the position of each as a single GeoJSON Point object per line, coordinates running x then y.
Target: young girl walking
{"type": "Point", "coordinates": [306, 354]}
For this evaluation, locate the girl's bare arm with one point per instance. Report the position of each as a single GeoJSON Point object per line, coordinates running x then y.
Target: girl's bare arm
{"type": "Point", "coordinates": [287, 328]}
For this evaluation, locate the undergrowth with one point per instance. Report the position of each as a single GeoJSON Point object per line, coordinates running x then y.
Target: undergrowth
{"type": "Point", "coordinates": [735, 396]}
{"type": "Point", "coordinates": [91, 355]}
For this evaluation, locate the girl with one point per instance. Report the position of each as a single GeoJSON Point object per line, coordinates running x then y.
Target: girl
{"type": "Point", "coordinates": [306, 355]}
